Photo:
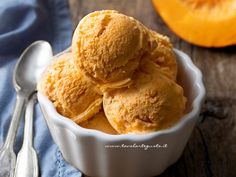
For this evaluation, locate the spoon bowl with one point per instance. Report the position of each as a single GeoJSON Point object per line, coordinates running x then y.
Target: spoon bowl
{"type": "Point", "coordinates": [30, 65]}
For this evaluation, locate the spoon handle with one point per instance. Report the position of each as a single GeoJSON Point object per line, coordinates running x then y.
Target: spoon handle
{"type": "Point", "coordinates": [27, 162]}
{"type": "Point", "coordinates": [7, 155]}
{"type": "Point", "coordinates": [17, 113]}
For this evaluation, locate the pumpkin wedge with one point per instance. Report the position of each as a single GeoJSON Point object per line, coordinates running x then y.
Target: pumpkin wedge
{"type": "Point", "coordinates": [208, 23]}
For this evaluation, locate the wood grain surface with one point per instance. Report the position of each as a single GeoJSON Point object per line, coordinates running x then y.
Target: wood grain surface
{"type": "Point", "coordinates": [211, 150]}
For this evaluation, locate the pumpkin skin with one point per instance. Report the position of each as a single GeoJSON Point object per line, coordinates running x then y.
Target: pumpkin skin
{"type": "Point", "coordinates": [208, 23]}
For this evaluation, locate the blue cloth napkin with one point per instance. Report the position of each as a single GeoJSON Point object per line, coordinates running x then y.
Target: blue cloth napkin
{"type": "Point", "coordinates": [21, 23]}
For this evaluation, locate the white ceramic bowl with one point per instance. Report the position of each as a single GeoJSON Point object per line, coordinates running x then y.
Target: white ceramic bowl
{"type": "Point", "coordinates": [89, 151]}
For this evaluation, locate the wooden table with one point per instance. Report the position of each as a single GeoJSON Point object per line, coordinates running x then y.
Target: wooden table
{"type": "Point", "coordinates": [211, 150]}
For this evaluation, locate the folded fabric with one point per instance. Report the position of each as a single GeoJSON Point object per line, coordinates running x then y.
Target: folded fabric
{"type": "Point", "coordinates": [23, 22]}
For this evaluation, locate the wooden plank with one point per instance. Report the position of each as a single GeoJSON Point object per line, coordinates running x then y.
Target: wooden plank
{"type": "Point", "coordinates": [211, 150]}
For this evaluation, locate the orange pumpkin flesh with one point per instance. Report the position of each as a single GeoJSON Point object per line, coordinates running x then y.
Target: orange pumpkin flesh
{"type": "Point", "coordinates": [209, 23]}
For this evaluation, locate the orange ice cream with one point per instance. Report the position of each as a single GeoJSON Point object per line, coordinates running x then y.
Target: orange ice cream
{"type": "Point", "coordinates": [151, 103]}
{"type": "Point", "coordinates": [119, 62]}
{"type": "Point", "coordinates": [107, 46]}
{"type": "Point", "coordinates": [99, 122]}
{"type": "Point", "coordinates": [71, 93]}
{"type": "Point", "coordinates": [162, 54]}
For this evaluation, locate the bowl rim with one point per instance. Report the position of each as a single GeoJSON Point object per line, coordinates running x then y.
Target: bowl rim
{"type": "Point", "coordinates": [80, 131]}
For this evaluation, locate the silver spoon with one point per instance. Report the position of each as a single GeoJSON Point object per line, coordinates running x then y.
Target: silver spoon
{"type": "Point", "coordinates": [27, 70]}
{"type": "Point", "coordinates": [27, 161]}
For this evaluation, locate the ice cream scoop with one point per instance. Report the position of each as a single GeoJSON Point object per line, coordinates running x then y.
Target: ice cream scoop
{"type": "Point", "coordinates": [59, 68]}
{"type": "Point", "coordinates": [72, 94]}
{"type": "Point", "coordinates": [161, 52]}
{"type": "Point", "coordinates": [99, 122]}
{"type": "Point", "coordinates": [151, 103]}
{"type": "Point", "coordinates": [107, 47]}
